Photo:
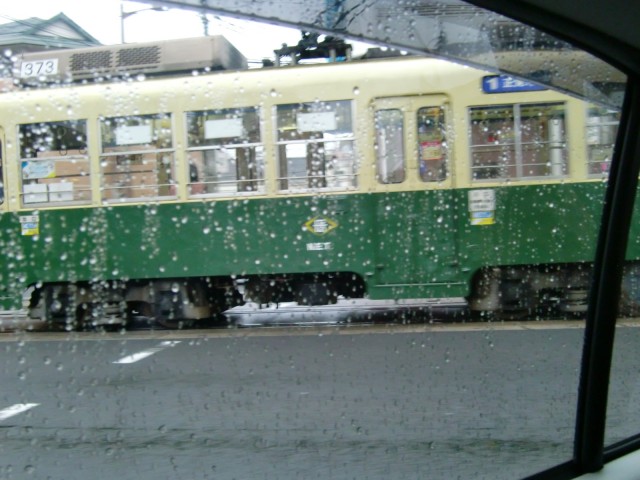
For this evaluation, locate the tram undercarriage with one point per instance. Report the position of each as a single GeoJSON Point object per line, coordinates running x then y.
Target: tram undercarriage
{"type": "Point", "coordinates": [545, 290]}
{"type": "Point", "coordinates": [178, 302]}
{"type": "Point", "coordinates": [513, 292]}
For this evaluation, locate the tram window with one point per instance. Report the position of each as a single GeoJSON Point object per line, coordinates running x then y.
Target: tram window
{"type": "Point", "coordinates": [518, 141]}
{"type": "Point", "coordinates": [390, 162]}
{"type": "Point", "coordinates": [602, 128]}
{"type": "Point", "coordinates": [137, 159]}
{"type": "Point", "coordinates": [432, 153]}
{"type": "Point", "coordinates": [54, 163]}
{"type": "Point", "coordinates": [316, 145]}
{"type": "Point", "coordinates": [225, 151]}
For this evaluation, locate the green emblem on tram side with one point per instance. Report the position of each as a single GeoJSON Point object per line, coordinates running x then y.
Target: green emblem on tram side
{"type": "Point", "coordinates": [320, 225]}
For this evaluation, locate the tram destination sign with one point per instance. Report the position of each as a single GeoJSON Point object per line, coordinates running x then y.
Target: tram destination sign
{"type": "Point", "coordinates": [507, 84]}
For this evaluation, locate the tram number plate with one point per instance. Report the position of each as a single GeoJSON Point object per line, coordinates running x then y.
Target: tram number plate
{"type": "Point", "coordinates": [36, 68]}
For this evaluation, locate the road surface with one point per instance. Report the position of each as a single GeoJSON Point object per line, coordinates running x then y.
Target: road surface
{"type": "Point", "coordinates": [388, 402]}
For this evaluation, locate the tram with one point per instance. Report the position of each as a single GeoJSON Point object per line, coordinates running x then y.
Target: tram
{"type": "Point", "coordinates": [177, 198]}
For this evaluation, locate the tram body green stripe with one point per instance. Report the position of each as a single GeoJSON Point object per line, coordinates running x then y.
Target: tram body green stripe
{"type": "Point", "coordinates": [404, 244]}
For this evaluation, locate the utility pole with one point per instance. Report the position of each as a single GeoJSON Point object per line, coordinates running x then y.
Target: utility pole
{"type": "Point", "coordinates": [124, 15]}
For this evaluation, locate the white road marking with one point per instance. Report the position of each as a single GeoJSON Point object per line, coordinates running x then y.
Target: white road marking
{"type": "Point", "coordinates": [135, 357]}
{"type": "Point", "coordinates": [16, 409]}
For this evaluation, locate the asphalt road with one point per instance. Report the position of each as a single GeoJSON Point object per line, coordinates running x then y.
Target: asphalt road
{"type": "Point", "coordinates": [436, 402]}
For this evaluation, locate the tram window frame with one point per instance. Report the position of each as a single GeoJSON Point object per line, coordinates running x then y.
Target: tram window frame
{"type": "Point", "coordinates": [513, 145]}
{"type": "Point", "coordinates": [40, 169]}
{"type": "Point", "coordinates": [431, 166]}
{"type": "Point", "coordinates": [290, 126]}
{"type": "Point", "coordinates": [128, 157]}
{"type": "Point", "coordinates": [388, 170]}
{"type": "Point", "coordinates": [247, 156]}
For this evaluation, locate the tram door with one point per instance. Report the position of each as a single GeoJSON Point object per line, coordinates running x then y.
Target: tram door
{"type": "Point", "coordinates": [417, 209]}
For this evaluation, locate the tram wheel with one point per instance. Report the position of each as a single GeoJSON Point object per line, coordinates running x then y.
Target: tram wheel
{"type": "Point", "coordinates": [84, 316]}
{"type": "Point", "coordinates": [168, 311]}
{"type": "Point", "coordinates": [630, 295]}
{"type": "Point", "coordinates": [174, 324]}
{"type": "Point", "coordinates": [482, 316]}
{"type": "Point", "coordinates": [84, 321]}
{"type": "Point", "coordinates": [511, 315]}
{"type": "Point", "coordinates": [499, 315]}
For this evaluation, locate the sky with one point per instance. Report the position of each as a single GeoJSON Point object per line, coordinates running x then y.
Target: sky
{"type": "Point", "coordinates": [102, 19]}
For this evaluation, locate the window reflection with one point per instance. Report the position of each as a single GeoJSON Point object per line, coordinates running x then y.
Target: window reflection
{"type": "Point", "coordinates": [390, 146]}
{"type": "Point", "coordinates": [316, 145]}
{"type": "Point", "coordinates": [432, 145]}
{"type": "Point", "coordinates": [518, 141]}
{"type": "Point", "coordinates": [602, 128]}
{"type": "Point", "coordinates": [137, 160]}
{"type": "Point", "coordinates": [225, 151]}
{"type": "Point", "coordinates": [54, 163]}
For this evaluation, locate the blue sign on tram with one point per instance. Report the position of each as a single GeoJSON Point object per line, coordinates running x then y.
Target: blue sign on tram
{"type": "Point", "coordinates": [507, 84]}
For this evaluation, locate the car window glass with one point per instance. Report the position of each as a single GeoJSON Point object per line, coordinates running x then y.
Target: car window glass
{"type": "Point", "coordinates": [367, 263]}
